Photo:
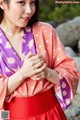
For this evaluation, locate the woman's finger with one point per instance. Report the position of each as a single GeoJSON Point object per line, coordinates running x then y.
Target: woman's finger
{"type": "Point", "coordinates": [40, 69]}
{"type": "Point", "coordinates": [30, 54]}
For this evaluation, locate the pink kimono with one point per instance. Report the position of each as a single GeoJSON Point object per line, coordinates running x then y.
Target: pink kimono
{"type": "Point", "coordinates": [45, 41]}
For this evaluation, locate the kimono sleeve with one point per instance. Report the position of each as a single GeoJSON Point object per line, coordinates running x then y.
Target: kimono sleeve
{"type": "Point", "coordinates": [3, 89]}
{"type": "Point", "coordinates": [64, 64]}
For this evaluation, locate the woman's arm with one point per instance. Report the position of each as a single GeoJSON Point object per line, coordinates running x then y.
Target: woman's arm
{"type": "Point", "coordinates": [32, 65]}
{"type": "Point", "coordinates": [52, 76]}
{"type": "Point", "coordinates": [13, 82]}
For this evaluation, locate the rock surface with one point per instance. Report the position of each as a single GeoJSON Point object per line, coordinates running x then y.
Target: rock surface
{"type": "Point", "coordinates": [69, 32]}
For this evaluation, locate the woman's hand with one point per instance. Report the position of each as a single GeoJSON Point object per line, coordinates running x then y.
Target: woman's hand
{"type": "Point", "coordinates": [49, 74]}
{"type": "Point", "coordinates": [41, 75]}
{"type": "Point", "coordinates": [33, 65]}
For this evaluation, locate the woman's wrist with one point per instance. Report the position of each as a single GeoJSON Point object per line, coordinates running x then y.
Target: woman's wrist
{"type": "Point", "coordinates": [52, 76]}
{"type": "Point", "coordinates": [20, 74]}
{"type": "Point", "coordinates": [48, 74]}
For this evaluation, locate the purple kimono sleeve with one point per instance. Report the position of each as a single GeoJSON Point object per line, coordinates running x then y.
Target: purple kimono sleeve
{"type": "Point", "coordinates": [64, 93]}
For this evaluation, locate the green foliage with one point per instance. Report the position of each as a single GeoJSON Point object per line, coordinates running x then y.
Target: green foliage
{"type": "Point", "coordinates": [46, 8]}
{"type": "Point", "coordinates": [59, 13]}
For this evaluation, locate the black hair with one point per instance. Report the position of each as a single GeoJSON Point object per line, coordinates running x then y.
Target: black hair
{"type": "Point", "coordinates": [34, 18]}
{"type": "Point", "coordinates": [1, 15]}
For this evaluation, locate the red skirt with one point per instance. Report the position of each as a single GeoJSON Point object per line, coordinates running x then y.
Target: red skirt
{"type": "Point", "coordinates": [43, 106]}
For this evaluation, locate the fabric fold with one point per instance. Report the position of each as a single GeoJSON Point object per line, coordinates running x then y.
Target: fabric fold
{"type": "Point", "coordinates": [3, 90]}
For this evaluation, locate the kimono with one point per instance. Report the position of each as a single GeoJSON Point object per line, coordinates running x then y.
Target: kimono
{"type": "Point", "coordinates": [45, 41]}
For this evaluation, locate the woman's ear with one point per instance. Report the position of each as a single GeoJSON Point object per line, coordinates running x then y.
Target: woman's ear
{"type": "Point", "coordinates": [2, 5]}
{"type": "Point", "coordinates": [1, 2]}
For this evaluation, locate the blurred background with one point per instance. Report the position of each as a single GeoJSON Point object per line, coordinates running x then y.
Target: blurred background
{"type": "Point", "coordinates": [58, 12]}
{"type": "Point", "coordinates": [65, 18]}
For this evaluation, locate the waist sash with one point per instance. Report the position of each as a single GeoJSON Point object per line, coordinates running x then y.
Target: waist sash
{"type": "Point", "coordinates": [32, 106]}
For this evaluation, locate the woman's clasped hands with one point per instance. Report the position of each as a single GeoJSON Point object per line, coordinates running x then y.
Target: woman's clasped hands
{"type": "Point", "coordinates": [34, 67]}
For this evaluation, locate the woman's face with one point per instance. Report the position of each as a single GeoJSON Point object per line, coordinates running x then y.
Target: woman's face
{"type": "Point", "coordinates": [19, 12]}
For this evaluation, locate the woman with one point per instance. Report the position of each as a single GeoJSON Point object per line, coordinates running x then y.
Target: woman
{"type": "Point", "coordinates": [34, 66]}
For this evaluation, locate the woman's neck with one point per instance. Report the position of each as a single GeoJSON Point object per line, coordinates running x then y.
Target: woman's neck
{"type": "Point", "coordinates": [10, 29]}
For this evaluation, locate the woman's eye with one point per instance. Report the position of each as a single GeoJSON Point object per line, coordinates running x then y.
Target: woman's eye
{"type": "Point", "coordinates": [33, 2]}
{"type": "Point", "coordinates": [21, 2]}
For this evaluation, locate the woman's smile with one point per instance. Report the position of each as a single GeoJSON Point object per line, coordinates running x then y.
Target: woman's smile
{"type": "Point", "coordinates": [26, 19]}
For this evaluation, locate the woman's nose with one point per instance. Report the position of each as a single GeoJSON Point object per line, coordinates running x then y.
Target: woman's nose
{"type": "Point", "coordinates": [28, 9]}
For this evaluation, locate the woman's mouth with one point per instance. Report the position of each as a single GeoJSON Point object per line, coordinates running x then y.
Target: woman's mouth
{"type": "Point", "coordinates": [26, 19]}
